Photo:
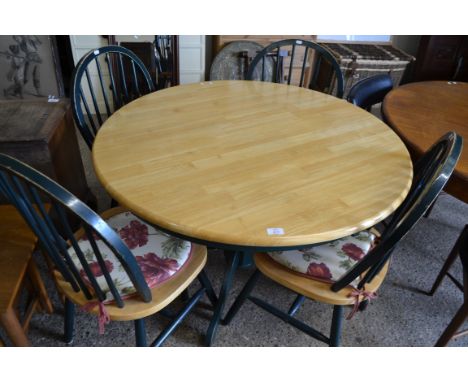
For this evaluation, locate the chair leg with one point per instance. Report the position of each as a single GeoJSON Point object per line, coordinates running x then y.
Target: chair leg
{"type": "Point", "coordinates": [9, 321]}
{"type": "Point", "coordinates": [69, 321]}
{"type": "Point", "coordinates": [454, 325]}
{"type": "Point", "coordinates": [228, 277]}
{"type": "Point", "coordinates": [140, 333]}
{"type": "Point", "coordinates": [296, 305]}
{"type": "Point", "coordinates": [445, 268]}
{"type": "Point", "coordinates": [179, 318]}
{"type": "Point", "coordinates": [242, 297]}
{"type": "Point", "coordinates": [335, 331]}
{"type": "Point", "coordinates": [205, 282]}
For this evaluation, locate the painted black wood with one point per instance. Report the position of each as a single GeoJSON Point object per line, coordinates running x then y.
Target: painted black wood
{"type": "Point", "coordinates": [278, 51]}
{"type": "Point", "coordinates": [30, 191]}
{"type": "Point", "coordinates": [460, 250]}
{"type": "Point", "coordinates": [370, 91]}
{"type": "Point", "coordinates": [127, 79]}
{"type": "Point", "coordinates": [15, 178]}
{"type": "Point", "coordinates": [431, 174]}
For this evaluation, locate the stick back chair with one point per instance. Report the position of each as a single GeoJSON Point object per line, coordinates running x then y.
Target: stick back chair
{"type": "Point", "coordinates": [115, 266]}
{"type": "Point", "coordinates": [460, 249]}
{"type": "Point", "coordinates": [350, 270]}
{"type": "Point", "coordinates": [297, 62]}
{"type": "Point", "coordinates": [103, 81]}
{"type": "Point", "coordinates": [370, 91]}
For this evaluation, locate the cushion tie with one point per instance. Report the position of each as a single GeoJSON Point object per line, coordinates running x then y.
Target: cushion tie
{"type": "Point", "coordinates": [103, 316]}
{"type": "Point", "coordinates": [356, 293]}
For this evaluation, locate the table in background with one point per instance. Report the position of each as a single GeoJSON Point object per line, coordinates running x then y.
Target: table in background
{"type": "Point", "coordinates": [245, 166]}
{"type": "Point", "coordinates": [421, 112]}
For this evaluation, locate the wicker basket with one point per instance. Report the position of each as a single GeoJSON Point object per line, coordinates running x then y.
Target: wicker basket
{"type": "Point", "coordinates": [359, 61]}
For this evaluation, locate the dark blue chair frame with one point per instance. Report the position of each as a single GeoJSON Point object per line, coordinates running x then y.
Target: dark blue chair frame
{"type": "Point", "coordinates": [29, 190]}
{"type": "Point", "coordinates": [370, 91]}
{"type": "Point", "coordinates": [459, 250]}
{"type": "Point", "coordinates": [275, 53]}
{"type": "Point", "coordinates": [431, 174]}
{"type": "Point", "coordinates": [119, 92]}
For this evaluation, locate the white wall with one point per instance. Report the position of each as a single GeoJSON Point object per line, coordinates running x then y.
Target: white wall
{"type": "Point", "coordinates": [82, 44]}
{"type": "Point", "coordinates": [367, 38]}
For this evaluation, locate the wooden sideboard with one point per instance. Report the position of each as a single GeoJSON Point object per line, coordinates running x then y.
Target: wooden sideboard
{"type": "Point", "coordinates": [442, 58]}
{"type": "Point", "coordinates": [42, 134]}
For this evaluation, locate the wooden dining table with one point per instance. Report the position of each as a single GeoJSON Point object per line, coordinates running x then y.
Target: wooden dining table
{"type": "Point", "coordinates": [251, 166]}
{"type": "Point", "coordinates": [421, 112]}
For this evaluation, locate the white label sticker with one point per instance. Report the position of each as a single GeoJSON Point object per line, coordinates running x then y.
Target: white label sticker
{"type": "Point", "coordinates": [96, 52]}
{"type": "Point", "coordinates": [298, 42]}
{"type": "Point", "coordinates": [52, 98]}
{"type": "Point", "coordinates": [275, 231]}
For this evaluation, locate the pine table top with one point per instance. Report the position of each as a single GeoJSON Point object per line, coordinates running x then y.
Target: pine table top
{"type": "Point", "coordinates": [252, 163]}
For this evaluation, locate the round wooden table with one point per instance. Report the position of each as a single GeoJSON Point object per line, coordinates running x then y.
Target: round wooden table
{"type": "Point", "coordinates": [247, 165]}
{"type": "Point", "coordinates": [421, 112]}
{"type": "Point", "coordinates": [228, 161]}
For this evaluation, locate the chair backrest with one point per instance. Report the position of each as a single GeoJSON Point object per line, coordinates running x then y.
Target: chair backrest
{"type": "Point", "coordinates": [298, 62]}
{"type": "Point", "coordinates": [104, 80]}
{"type": "Point", "coordinates": [431, 173]}
{"type": "Point", "coordinates": [29, 191]}
{"type": "Point", "coordinates": [370, 91]}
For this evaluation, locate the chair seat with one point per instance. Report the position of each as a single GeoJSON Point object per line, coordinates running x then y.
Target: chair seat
{"type": "Point", "coordinates": [159, 255]}
{"type": "Point", "coordinates": [168, 264]}
{"type": "Point", "coordinates": [311, 271]}
{"type": "Point", "coordinates": [328, 262]}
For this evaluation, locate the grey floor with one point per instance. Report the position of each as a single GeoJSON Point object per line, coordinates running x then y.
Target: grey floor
{"type": "Point", "coordinates": [401, 316]}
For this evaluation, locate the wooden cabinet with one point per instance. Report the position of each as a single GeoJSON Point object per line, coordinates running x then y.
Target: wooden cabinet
{"type": "Point", "coordinates": [42, 134]}
{"type": "Point", "coordinates": [442, 58]}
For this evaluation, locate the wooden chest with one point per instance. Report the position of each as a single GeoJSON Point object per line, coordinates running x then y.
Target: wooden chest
{"type": "Point", "coordinates": [42, 134]}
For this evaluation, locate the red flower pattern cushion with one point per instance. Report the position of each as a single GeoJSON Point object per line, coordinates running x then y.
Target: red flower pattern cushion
{"type": "Point", "coordinates": [159, 255]}
{"type": "Point", "coordinates": [328, 262]}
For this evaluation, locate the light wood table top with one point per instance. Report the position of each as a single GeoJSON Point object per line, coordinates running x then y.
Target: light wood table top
{"type": "Point", "coordinates": [225, 161]}
{"type": "Point", "coordinates": [421, 112]}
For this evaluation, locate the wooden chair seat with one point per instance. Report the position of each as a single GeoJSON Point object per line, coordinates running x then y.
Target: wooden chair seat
{"type": "Point", "coordinates": [313, 289]}
{"type": "Point", "coordinates": [162, 295]}
{"type": "Point", "coordinates": [17, 243]}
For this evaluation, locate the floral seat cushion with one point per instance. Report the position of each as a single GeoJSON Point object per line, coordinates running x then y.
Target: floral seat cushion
{"type": "Point", "coordinates": [159, 255]}
{"type": "Point", "coordinates": [328, 262]}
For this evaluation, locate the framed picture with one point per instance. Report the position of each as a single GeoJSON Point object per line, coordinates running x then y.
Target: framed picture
{"type": "Point", "coordinates": [29, 67]}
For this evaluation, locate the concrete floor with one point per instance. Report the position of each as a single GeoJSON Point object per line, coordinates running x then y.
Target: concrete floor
{"type": "Point", "coordinates": [401, 316]}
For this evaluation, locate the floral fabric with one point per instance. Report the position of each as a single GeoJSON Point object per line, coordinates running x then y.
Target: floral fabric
{"type": "Point", "coordinates": [330, 261]}
{"type": "Point", "coordinates": [158, 254]}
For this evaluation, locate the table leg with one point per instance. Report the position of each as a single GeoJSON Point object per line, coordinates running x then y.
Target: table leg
{"type": "Point", "coordinates": [228, 277]}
